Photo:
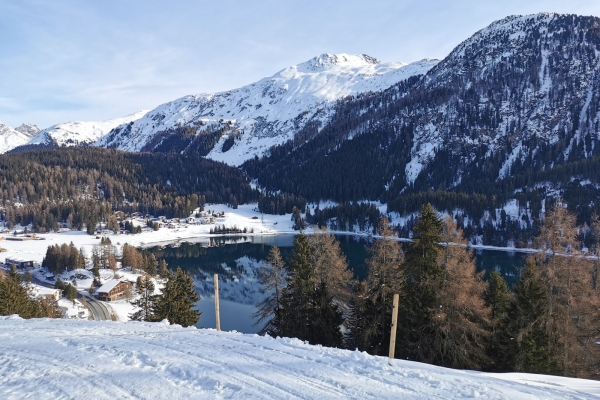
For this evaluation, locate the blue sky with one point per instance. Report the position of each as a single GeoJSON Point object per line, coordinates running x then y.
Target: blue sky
{"type": "Point", "coordinates": [70, 60]}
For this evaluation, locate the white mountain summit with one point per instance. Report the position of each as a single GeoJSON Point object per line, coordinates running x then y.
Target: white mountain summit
{"type": "Point", "coordinates": [270, 111]}
{"type": "Point", "coordinates": [77, 133]}
{"type": "Point", "coordinates": [11, 138]}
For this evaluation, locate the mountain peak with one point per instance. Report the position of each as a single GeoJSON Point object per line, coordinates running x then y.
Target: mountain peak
{"type": "Point", "coordinates": [326, 61]}
{"type": "Point", "coordinates": [28, 129]}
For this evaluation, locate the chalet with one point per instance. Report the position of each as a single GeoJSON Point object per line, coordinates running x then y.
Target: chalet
{"type": "Point", "coordinates": [41, 292]}
{"type": "Point", "coordinates": [19, 263]}
{"type": "Point", "coordinates": [113, 289]}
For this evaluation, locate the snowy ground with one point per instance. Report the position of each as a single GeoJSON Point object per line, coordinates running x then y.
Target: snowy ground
{"type": "Point", "coordinates": [242, 218]}
{"type": "Point", "coordinates": [60, 359]}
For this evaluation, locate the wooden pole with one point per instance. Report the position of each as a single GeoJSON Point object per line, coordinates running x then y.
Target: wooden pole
{"type": "Point", "coordinates": [393, 332]}
{"type": "Point", "coordinates": [218, 316]}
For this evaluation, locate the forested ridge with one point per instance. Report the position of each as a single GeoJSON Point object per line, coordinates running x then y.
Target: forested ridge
{"type": "Point", "coordinates": [82, 185]}
{"type": "Point", "coordinates": [511, 113]}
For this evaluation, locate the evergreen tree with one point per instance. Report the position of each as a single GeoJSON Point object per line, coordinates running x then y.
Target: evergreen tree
{"type": "Point", "coordinates": [526, 344]}
{"type": "Point", "coordinates": [497, 297]}
{"type": "Point", "coordinates": [59, 284]}
{"type": "Point", "coordinates": [177, 301]}
{"type": "Point", "coordinates": [147, 300]}
{"type": "Point", "coordinates": [307, 310]}
{"type": "Point", "coordinates": [294, 317]}
{"type": "Point", "coordinates": [14, 299]}
{"type": "Point", "coordinates": [163, 270]}
{"type": "Point", "coordinates": [364, 327]}
{"type": "Point", "coordinates": [13, 296]}
{"type": "Point", "coordinates": [70, 292]}
{"type": "Point", "coordinates": [424, 281]}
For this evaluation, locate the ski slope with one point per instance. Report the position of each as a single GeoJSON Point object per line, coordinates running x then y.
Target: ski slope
{"type": "Point", "coordinates": [60, 359]}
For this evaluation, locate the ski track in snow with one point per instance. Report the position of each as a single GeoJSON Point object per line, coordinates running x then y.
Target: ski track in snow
{"type": "Point", "coordinates": [56, 359]}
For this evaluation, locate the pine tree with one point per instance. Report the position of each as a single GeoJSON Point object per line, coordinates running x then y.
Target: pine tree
{"type": "Point", "coordinates": [326, 318]}
{"type": "Point", "coordinates": [424, 281]}
{"type": "Point", "coordinates": [497, 297]}
{"type": "Point", "coordinates": [163, 270]}
{"type": "Point", "coordinates": [307, 310]}
{"type": "Point", "coordinates": [272, 278]}
{"type": "Point", "coordinates": [13, 296]}
{"type": "Point", "coordinates": [177, 300]}
{"type": "Point", "coordinates": [147, 300]}
{"type": "Point", "coordinates": [294, 317]}
{"type": "Point", "coordinates": [527, 343]}
{"type": "Point", "coordinates": [70, 292]}
{"type": "Point", "coordinates": [364, 326]}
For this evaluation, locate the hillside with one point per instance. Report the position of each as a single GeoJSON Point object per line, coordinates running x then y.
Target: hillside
{"type": "Point", "coordinates": [245, 122]}
{"type": "Point", "coordinates": [56, 359]}
{"type": "Point", "coordinates": [510, 114]}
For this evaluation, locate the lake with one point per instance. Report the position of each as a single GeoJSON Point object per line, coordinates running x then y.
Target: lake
{"type": "Point", "coordinates": [237, 259]}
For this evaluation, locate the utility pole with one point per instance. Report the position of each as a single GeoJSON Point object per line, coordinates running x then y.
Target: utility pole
{"type": "Point", "coordinates": [218, 317]}
{"type": "Point", "coordinates": [393, 332]}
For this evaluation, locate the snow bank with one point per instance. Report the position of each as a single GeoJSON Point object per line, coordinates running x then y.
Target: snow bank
{"type": "Point", "coordinates": [54, 359]}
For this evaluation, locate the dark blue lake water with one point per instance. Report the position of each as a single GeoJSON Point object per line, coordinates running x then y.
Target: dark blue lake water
{"type": "Point", "coordinates": [236, 260]}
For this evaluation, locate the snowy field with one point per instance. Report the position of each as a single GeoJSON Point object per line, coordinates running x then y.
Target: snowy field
{"type": "Point", "coordinates": [65, 359]}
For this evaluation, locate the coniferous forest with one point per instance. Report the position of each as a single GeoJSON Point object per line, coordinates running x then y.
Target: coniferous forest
{"type": "Point", "coordinates": [83, 186]}
{"type": "Point", "coordinates": [449, 314]}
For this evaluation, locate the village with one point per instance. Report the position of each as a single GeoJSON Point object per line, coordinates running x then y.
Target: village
{"type": "Point", "coordinates": [111, 300]}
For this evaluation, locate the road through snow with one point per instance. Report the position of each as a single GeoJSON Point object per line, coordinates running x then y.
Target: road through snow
{"type": "Point", "coordinates": [54, 359]}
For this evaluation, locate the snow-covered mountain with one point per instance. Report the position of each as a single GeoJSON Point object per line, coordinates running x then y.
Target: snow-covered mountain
{"type": "Point", "coordinates": [29, 129]}
{"type": "Point", "coordinates": [521, 95]}
{"type": "Point", "coordinates": [11, 138]}
{"type": "Point", "coordinates": [258, 116]}
{"type": "Point", "coordinates": [49, 359]}
{"type": "Point", "coordinates": [77, 132]}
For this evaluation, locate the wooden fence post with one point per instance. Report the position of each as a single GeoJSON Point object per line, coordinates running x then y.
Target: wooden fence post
{"type": "Point", "coordinates": [393, 332]}
{"type": "Point", "coordinates": [218, 316]}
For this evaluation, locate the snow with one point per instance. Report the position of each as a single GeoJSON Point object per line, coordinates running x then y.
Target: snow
{"type": "Point", "coordinates": [242, 217]}
{"type": "Point", "coordinates": [11, 138]}
{"type": "Point", "coordinates": [28, 129]}
{"type": "Point", "coordinates": [60, 359]}
{"type": "Point", "coordinates": [78, 132]}
{"type": "Point", "coordinates": [270, 111]}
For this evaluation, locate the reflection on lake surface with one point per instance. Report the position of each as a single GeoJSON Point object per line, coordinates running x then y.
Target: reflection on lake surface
{"type": "Point", "coordinates": [237, 259]}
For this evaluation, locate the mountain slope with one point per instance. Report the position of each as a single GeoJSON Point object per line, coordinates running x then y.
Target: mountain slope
{"type": "Point", "coordinates": [49, 359]}
{"type": "Point", "coordinates": [246, 122]}
{"type": "Point", "coordinates": [29, 129]}
{"type": "Point", "coordinates": [77, 132]}
{"type": "Point", "coordinates": [519, 97]}
{"type": "Point", "coordinates": [11, 138]}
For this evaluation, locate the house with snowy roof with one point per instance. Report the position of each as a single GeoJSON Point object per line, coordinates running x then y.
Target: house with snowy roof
{"type": "Point", "coordinates": [114, 289]}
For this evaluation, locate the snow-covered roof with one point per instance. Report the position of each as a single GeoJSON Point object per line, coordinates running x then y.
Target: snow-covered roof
{"type": "Point", "coordinates": [108, 285]}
